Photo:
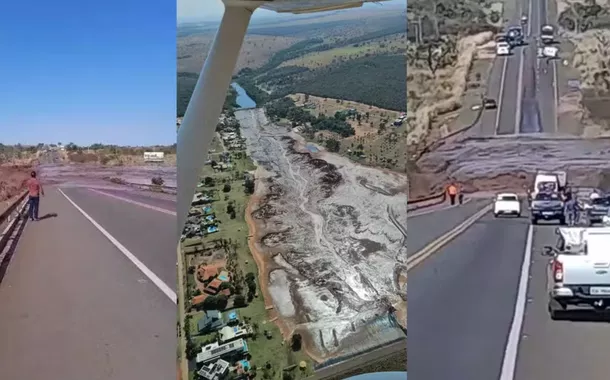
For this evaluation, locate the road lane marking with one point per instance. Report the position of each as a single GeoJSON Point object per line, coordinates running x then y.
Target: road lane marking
{"type": "Point", "coordinates": [556, 88]}
{"type": "Point", "coordinates": [519, 93]}
{"type": "Point", "coordinates": [142, 204]}
{"type": "Point", "coordinates": [440, 242]}
{"type": "Point", "coordinates": [511, 351]}
{"type": "Point", "coordinates": [415, 213]}
{"type": "Point", "coordinates": [140, 265]}
{"type": "Point", "coordinates": [501, 95]}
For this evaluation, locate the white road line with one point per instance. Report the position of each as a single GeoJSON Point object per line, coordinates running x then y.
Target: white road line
{"type": "Point", "coordinates": [143, 268]}
{"type": "Point", "coordinates": [155, 208]}
{"type": "Point", "coordinates": [514, 336]}
{"type": "Point", "coordinates": [556, 88]}
{"type": "Point", "coordinates": [519, 93]}
{"type": "Point", "coordinates": [501, 95]}
{"type": "Point", "coordinates": [430, 211]}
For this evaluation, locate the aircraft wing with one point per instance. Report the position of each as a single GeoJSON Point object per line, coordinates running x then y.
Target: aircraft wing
{"type": "Point", "coordinates": [301, 6]}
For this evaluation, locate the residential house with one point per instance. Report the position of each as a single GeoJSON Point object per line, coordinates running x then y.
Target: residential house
{"type": "Point", "coordinates": [206, 272]}
{"type": "Point", "coordinates": [213, 287]}
{"type": "Point", "coordinates": [213, 352]}
{"type": "Point", "coordinates": [197, 301]}
{"type": "Point", "coordinates": [211, 321]}
{"type": "Point", "coordinates": [231, 333]}
{"type": "Point", "coordinates": [215, 371]}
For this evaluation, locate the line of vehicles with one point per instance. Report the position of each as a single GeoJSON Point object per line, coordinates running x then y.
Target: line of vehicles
{"type": "Point", "coordinates": [514, 37]}
{"type": "Point", "coordinates": [578, 271]}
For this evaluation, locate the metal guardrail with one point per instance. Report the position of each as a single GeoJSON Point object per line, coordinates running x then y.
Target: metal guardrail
{"type": "Point", "coordinates": [11, 216]}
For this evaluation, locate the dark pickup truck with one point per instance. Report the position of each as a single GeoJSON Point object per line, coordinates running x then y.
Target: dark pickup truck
{"type": "Point", "coordinates": [599, 208]}
{"type": "Point", "coordinates": [547, 206]}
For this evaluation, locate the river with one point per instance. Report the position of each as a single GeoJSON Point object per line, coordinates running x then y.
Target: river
{"type": "Point", "coordinates": [243, 100]}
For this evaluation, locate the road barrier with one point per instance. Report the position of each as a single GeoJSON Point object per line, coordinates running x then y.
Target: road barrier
{"type": "Point", "coordinates": [10, 219]}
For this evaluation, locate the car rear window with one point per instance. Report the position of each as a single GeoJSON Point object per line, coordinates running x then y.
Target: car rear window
{"type": "Point", "coordinates": [507, 198]}
{"type": "Point", "coordinates": [546, 197]}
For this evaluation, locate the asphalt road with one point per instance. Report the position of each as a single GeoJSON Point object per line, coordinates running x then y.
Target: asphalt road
{"type": "Point", "coordinates": [74, 306]}
{"type": "Point", "coordinates": [575, 348]}
{"type": "Point", "coordinates": [546, 72]}
{"type": "Point", "coordinates": [461, 302]}
{"type": "Point", "coordinates": [514, 80]}
{"type": "Point", "coordinates": [464, 301]}
{"type": "Point", "coordinates": [425, 227]}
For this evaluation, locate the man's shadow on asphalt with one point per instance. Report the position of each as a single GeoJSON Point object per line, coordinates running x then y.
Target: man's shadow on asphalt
{"type": "Point", "coordinates": [49, 215]}
{"type": "Point", "coordinates": [45, 216]}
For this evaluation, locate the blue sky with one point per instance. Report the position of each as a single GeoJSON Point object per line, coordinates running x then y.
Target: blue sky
{"type": "Point", "coordinates": [92, 71]}
{"type": "Point", "coordinates": [212, 10]}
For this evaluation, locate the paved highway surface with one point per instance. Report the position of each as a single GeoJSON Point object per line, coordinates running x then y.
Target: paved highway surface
{"type": "Point", "coordinates": [523, 86]}
{"type": "Point", "coordinates": [424, 227]}
{"type": "Point", "coordinates": [74, 306]}
{"type": "Point", "coordinates": [478, 310]}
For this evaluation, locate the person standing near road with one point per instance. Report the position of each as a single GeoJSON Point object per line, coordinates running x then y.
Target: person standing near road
{"type": "Point", "coordinates": [35, 190]}
{"type": "Point", "coordinates": [570, 211]}
{"type": "Point", "coordinates": [460, 194]}
{"type": "Point", "coordinates": [452, 191]}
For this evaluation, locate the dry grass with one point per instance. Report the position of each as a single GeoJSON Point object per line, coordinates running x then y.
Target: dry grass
{"type": "Point", "coordinates": [431, 96]}
{"type": "Point", "coordinates": [590, 59]}
{"type": "Point", "coordinates": [255, 51]}
{"type": "Point", "coordinates": [392, 44]}
{"type": "Point", "coordinates": [386, 148]}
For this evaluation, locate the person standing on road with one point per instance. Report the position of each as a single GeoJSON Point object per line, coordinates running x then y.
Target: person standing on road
{"type": "Point", "coordinates": [35, 190]}
{"type": "Point", "coordinates": [570, 211]}
{"type": "Point", "coordinates": [452, 191]}
{"type": "Point", "coordinates": [461, 194]}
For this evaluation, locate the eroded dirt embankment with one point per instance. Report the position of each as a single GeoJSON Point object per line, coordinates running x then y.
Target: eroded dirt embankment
{"type": "Point", "coordinates": [12, 178]}
{"type": "Point", "coordinates": [332, 237]}
{"type": "Point", "coordinates": [502, 164]}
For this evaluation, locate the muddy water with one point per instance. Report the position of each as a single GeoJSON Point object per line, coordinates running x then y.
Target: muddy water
{"type": "Point", "coordinates": [480, 159]}
{"type": "Point", "coordinates": [334, 233]}
{"type": "Point", "coordinates": [96, 175]}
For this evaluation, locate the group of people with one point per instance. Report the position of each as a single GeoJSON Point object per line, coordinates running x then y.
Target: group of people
{"type": "Point", "coordinates": [571, 207]}
{"type": "Point", "coordinates": [454, 191]}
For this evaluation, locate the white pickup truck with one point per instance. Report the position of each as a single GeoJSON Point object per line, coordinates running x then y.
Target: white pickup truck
{"type": "Point", "coordinates": [579, 273]}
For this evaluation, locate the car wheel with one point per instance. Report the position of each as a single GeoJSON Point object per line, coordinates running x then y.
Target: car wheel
{"type": "Point", "coordinates": [534, 221]}
{"type": "Point", "coordinates": [553, 313]}
{"type": "Point", "coordinates": [518, 215]}
{"type": "Point", "coordinates": [495, 215]}
{"type": "Point", "coordinates": [562, 221]}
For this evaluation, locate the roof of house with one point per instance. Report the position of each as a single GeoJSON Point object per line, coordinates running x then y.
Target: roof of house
{"type": "Point", "coordinates": [211, 320]}
{"type": "Point", "coordinates": [199, 299]}
{"type": "Point", "coordinates": [207, 272]}
{"type": "Point", "coordinates": [215, 284]}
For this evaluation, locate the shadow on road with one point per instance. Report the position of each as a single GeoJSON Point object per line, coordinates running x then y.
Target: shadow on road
{"type": "Point", "coordinates": [49, 215]}
{"type": "Point", "coordinates": [583, 316]}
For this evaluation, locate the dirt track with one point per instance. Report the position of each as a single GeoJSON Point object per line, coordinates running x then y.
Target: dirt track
{"type": "Point", "coordinates": [329, 237]}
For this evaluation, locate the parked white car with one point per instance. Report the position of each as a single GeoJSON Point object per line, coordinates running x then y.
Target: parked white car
{"type": "Point", "coordinates": [502, 48]}
{"type": "Point", "coordinates": [507, 204]}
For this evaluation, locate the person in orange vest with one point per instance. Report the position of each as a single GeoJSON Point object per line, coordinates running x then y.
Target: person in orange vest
{"type": "Point", "coordinates": [452, 191]}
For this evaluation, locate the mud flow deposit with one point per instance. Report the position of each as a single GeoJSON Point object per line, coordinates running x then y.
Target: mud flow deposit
{"type": "Point", "coordinates": [333, 237]}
